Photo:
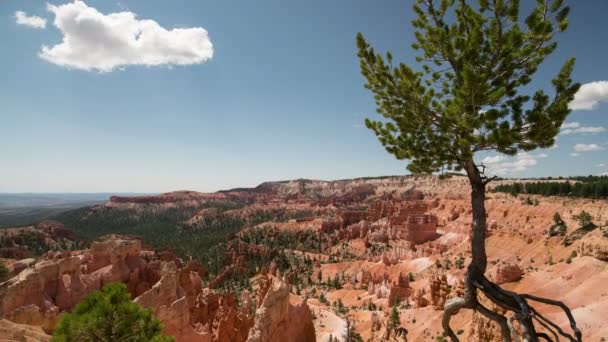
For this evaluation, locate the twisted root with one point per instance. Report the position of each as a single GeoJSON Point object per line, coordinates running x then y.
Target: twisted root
{"type": "Point", "coordinates": [525, 314]}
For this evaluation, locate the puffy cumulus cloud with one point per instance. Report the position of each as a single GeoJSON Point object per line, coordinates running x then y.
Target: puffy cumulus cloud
{"type": "Point", "coordinates": [94, 41]}
{"type": "Point", "coordinates": [500, 165]}
{"type": "Point", "coordinates": [590, 95]}
{"type": "Point", "coordinates": [31, 21]}
{"type": "Point", "coordinates": [571, 128]}
{"type": "Point", "coordinates": [588, 148]}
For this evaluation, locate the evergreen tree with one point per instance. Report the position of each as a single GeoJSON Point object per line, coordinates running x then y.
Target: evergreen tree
{"type": "Point", "coordinates": [4, 273]}
{"type": "Point", "coordinates": [351, 335]}
{"type": "Point", "coordinates": [109, 315]}
{"type": "Point", "coordinates": [559, 227]}
{"type": "Point", "coordinates": [584, 219]}
{"type": "Point", "coordinates": [557, 218]}
{"type": "Point", "coordinates": [470, 95]}
{"type": "Point", "coordinates": [394, 320]}
{"type": "Point", "coordinates": [588, 187]}
{"type": "Point", "coordinates": [337, 285]}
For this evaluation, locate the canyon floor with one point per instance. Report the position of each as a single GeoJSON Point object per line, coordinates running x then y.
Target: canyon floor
{"type": "Point", "coordinates": [372, 259]}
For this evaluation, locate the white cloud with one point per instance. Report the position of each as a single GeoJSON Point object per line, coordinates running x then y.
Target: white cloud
{"type": "Point", "coordinates": [499, 165]}
{"type": "Point", "coordinates": [31, 21]}
{"type": "Point", "coordinates": [574, 154]}
{"type": "Point", "coordinates": [590, 95]}
{"type": "Point", "coordinates": [94, 41]}
{"type": "Point", "coordinates": [571, 125]}
{"type": "Point", "coordinates": [601, 165]}
{"type": "Point", "coordinates": [588, 147]}
{"type": "Point", "coordinates": [571, 128]}
{"type": "Point", "coordinates": [492, 160]}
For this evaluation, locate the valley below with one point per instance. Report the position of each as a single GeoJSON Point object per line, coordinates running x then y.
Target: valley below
{"type": "Point", "coordinates": [369, 259]}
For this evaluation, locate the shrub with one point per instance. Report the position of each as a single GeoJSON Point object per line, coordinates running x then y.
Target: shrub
{"type": "Point", "coordinates": [109, 315]}
{"type": "Point", "coordinates": [322, 298]}
{"type": "Point", "coordinates": [460, 262]}
{"type": "Point", "coordinates": [584, 219]}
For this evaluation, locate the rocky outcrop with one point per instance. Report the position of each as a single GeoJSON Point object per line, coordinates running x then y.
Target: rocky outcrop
{"type": "Point", "coordinates": [31, 315]}
{"type": "Point", "coordinates": [174, 300]}
{"type": "Point", "coordinates": [419, 298]}
{"type": "Point", "coordinates": [47, 288]}
{"type": "Point", "coordinates": [40, 292]}
{"type": "Point", "coordinates": [114, 251]}
{"type": "Point", "coordinates": [55, 230]}
{"type": "Point", "coordinates": [22, 264]}
{"type": "Point", "coordinates": [439, 291]}
{"type": "Point", "coordinates": [596, 247]}
{"type": "Point", "coordinates": [349, 217]}
{"type": "Point", "coordinates": [358, 230]}
{"type": "Point", "coordinates": [379, 236]}
{"type": "Point", "coordinates": [483, 329]}
{"type": "Point", "coordinates": [13, 332]}
{"type": "Point", "coordinates": [282, 317]}
{"type": "Point", "coordinates": [399, 290]}
{"type": "Point", "coordinates": [507, 272]}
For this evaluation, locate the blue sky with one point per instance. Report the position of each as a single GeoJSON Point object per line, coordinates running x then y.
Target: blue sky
{"type": "Point", "coordinates": [281, 97]}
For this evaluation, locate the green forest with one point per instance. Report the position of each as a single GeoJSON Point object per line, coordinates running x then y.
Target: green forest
{"type": "Point", "coordinates": [586, 187]}
{"type": "Point", "coordinates": [164, 229]}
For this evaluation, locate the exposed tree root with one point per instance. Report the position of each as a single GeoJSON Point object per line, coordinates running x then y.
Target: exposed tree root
{"type": "Point", "coordinates": [525, 314]}
{"type": "Point", "coordinates": [516, 303]}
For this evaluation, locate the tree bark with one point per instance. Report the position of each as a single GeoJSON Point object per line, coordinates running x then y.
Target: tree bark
{"type": "Point", "coordinates": [510, 301]}
{"type": "Point", "coordinates": [479, 262]}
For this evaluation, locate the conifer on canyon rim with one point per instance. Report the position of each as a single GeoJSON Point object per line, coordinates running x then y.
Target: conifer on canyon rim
{"type": "Point", "coordinates": [470, 95]}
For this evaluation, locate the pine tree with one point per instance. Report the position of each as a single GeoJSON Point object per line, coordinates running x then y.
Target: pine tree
{"type": "Point", "coordinates": [470, 94]}
{"type": "Point", "coordinates": [337, 285]}
{"type": "Point", "coordinates": [109, 315]}
{"type": "Point", "coordinates": [394, 320]}
{"type": "Point", "coordinates": [351, 335]}
{"type": "Point", "coordinates": [584, 219]}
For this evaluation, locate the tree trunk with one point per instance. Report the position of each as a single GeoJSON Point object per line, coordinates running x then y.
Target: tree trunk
{"type": "Point", "coordinates": [479, 262]}
{"type": "Point", "coordinates": [476, 281]}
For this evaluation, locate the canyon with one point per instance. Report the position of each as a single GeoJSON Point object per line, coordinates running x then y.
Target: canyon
{"type": "Point", "coordinates": [309, 260]}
